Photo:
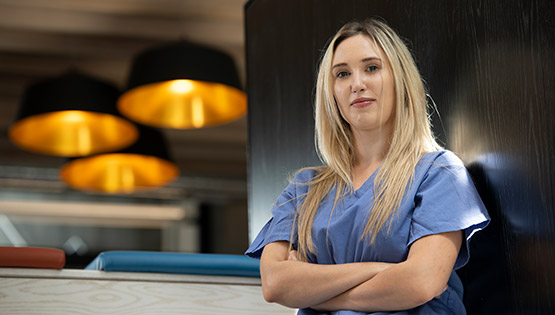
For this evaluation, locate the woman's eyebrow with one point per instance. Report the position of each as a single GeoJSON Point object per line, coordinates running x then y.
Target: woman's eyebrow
{"type": "Point", "coordinates": [370, 59]}
{"type": "Point", "coordinates": [339, 65]}
{"type": "Point", "coordinates": [362, 61]}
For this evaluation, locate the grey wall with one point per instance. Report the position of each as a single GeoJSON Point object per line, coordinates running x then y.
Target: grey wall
{"type": "Point", "coordinates": [488, 65]}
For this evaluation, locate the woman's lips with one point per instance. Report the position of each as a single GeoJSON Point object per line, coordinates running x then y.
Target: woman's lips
{"type": "Point", "coordinates": [362, 102]}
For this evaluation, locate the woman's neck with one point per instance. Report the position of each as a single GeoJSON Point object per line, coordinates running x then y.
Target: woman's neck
{"type": "Point", "coordinates": [370, 151]}
{"type": "Point", "coordinates": [370, 146]}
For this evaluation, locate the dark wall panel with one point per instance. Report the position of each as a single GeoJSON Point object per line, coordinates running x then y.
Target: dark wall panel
{"type": "Point", "coordinates": [490, 68]}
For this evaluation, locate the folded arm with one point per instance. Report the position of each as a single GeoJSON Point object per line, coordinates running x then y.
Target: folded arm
{"type": "Point", "coordinates": [299, 284]}
{"type": "Point", "coordinates": [406, 285]}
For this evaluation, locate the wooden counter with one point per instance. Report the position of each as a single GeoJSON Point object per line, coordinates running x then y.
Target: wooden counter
{"type": "Point", "coordinates": [44, 291]}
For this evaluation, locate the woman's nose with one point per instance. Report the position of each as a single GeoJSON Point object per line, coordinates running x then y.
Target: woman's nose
{"type": "Point", "coordinates": [357, 83]}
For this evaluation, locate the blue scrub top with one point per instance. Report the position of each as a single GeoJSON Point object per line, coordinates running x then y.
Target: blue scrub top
{"type": "Point", "coordinates": [442, 198]}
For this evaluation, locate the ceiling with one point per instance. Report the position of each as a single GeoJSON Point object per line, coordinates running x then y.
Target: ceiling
{"type": "Point", "coordinates": [43, 38]}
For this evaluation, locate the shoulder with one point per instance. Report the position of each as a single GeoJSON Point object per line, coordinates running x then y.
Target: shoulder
{"type": "Point", "coordinates": [299, 182]}
{"type": "Point", "coordinates": [305, 178]}
{"type": "Point", "coordinates": [305, 175]}
{"type": "Point", "coordinates": [442, 159]}
{"type": "Point", "coordinates": [442, 163]}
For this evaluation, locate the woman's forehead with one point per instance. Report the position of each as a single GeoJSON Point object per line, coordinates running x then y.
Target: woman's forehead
{"type": "Point", "coordinates": [359, 47]}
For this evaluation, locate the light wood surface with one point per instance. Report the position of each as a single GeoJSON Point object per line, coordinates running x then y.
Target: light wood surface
{"type": "Point", "coordinates": [36, 291]}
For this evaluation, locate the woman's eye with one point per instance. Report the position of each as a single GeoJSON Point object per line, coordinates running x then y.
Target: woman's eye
{"type": "Point", "coordinates": [372, 68]}
{"type": "Point", "coordinates": [342, 74]}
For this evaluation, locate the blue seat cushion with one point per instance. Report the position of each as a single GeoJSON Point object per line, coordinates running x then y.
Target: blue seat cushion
{"type": "Point", "coordinates": [180, 263]}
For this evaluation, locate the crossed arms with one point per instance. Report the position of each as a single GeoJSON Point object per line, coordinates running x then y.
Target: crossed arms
{"type": "Point", "coordinates": [365, 286]}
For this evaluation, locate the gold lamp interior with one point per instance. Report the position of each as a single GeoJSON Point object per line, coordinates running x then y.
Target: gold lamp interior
{"type": "Point", "coordinates": [183, 104]}
{"type": "Point", "coordinates": [116, 173]}
{"type": "Point", "coordinates": [72, 133]}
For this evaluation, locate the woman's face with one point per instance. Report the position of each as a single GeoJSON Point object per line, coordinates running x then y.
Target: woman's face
{"type": "Point", "coordinates": [363, 85]}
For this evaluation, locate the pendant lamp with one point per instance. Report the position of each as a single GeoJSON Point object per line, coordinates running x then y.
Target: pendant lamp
{"type": "Point", "coordinates": [71, 115]}
{"type": "Point", "coordinates": [183, 86]}
{"type": "Point", "coordinates": [144, 165]}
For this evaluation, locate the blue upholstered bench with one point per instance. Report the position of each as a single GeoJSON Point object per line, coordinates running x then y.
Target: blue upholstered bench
{"type": "Point", "coordinates": [178, 263]}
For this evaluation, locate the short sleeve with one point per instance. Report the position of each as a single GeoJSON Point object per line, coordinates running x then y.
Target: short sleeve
{"type": "Point", "coordinates": [447, 201]}
{"type": "Point", "coordinates": [280, 226]}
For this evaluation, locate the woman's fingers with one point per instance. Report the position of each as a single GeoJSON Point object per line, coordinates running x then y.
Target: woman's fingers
{"type": "Point", "coordinates": [293, 255]}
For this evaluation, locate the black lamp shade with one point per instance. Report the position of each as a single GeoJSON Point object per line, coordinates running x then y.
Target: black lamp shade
{"type": "Point", "coordinates": [71, 115]}
{"type": "Point", "coordinates": [144, 165]}
{"type": "Point", "coordinates": [182, 60]}
{"type": "Point", "coordinates": [182, 86]}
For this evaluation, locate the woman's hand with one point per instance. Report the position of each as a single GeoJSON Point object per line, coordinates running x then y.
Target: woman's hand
{"type": "Point", "coordinates": [293, 255]}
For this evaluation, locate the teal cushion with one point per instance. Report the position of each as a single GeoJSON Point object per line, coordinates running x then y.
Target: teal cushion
{"type": "Point", "coordinates": [180, 263]}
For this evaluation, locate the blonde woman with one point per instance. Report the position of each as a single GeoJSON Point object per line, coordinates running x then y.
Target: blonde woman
{"type": "Point", "coordinates": [381, 227]}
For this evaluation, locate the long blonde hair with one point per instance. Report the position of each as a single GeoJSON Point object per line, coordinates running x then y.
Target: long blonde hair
{"type": "Point", "coordinates": [412, 136]}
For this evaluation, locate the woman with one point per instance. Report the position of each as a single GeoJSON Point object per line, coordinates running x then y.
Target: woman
{"type": "Point", "coordinates": [381, 227]}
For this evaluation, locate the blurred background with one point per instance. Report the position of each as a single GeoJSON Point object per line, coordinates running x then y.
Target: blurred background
{"type": "Point", "coordinates": [204, 209]}
{"type": "Point", "coordinates": [493, 85]}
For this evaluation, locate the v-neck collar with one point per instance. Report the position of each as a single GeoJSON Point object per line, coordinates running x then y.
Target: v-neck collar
{"type": "Point", "coordinates": [349, 198]}
{"type": "Point", "coordinates": [369, 182]}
